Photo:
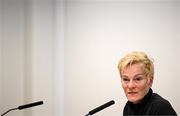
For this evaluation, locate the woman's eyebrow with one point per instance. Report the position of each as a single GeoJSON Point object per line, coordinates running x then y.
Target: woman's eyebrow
{"type": "Point", "coordinates": [124, 76]}
{"type": "Point", "coordinates": [139, 74]}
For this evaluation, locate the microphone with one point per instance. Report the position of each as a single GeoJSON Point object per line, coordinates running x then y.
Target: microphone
{"type": "Point", "coordinates": [30, 105]}
{"type": "Point", "coordinates": [24, 106]}
{"type": "Point", "coordinates": [100, 108]}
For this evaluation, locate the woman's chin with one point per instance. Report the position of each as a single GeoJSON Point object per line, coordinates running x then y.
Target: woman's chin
{"type": "Point", "coordinates": [134, 100]}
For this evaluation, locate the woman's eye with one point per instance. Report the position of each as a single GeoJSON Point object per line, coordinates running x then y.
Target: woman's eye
{"type": "Point", "coordinates": [138, 79]}
{"type": "Point", "coordinates": [126, 80]}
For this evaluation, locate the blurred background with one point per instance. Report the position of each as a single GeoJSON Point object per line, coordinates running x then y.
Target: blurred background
{"type": "Point", "coordinates": [65, 52]}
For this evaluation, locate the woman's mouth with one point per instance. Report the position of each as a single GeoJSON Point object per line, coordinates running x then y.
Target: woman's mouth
{"type": "Point", "coordinates": [132, 93]}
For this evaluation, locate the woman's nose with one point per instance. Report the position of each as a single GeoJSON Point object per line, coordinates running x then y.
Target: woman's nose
{"type": "Point", "coordinates": [131, 84]}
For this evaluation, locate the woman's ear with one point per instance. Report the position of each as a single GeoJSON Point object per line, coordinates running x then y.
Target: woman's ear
{"type": "Point", "coordinates": [150, 81]}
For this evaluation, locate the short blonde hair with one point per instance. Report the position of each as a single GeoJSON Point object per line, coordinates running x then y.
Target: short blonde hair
{"type": "Point", "coordinates": [137, 57]}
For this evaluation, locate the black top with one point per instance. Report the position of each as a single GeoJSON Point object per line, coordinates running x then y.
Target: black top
{"type": "Point", "coordinates": [151, 104]}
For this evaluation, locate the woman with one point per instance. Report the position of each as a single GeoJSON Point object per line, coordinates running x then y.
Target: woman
{"type": "Point", "coordinates": [137, 74]}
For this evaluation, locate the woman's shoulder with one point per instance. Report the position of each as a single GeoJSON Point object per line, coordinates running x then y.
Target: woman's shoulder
{"type": "Point", "coordinates": [157, 99]}
{"type": "Point", "coordinates": [161, 105]}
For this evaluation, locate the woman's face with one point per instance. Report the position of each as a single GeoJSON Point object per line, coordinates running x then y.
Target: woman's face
{"type": "Point", "coordinates": [134, 82]}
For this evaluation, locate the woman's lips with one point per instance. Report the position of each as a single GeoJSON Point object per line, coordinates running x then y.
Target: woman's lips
{"type": "Point", "coordinates": [132, 93]}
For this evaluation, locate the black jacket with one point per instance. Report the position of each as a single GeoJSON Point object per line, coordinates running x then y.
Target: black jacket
{"type": "Point", "coordinates": [152, 104]}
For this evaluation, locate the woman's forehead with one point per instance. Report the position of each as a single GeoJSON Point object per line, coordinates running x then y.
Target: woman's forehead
{"type": "Point", "coordinates": [133, 69]}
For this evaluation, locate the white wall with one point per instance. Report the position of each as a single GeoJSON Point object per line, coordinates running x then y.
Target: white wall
{"type": "Point", "coordinates": [59, 58]}
{"type": "Point", "coordinates": [99, 33]}
{"type": "Point", "coordinates": [12, 54]}
{"type": "Point", "coordinates": [1, 99]}
{"type": "Point", "coordinates": [66, 52]}
{"type": "Point", "coordinates": [47, 51]}
{"type": "Point", "coordinates": [30, 56]}
{"type": "Point", "coordinates": [46, 57]}
{"type": "Point", "coordinates": [42, 55]}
